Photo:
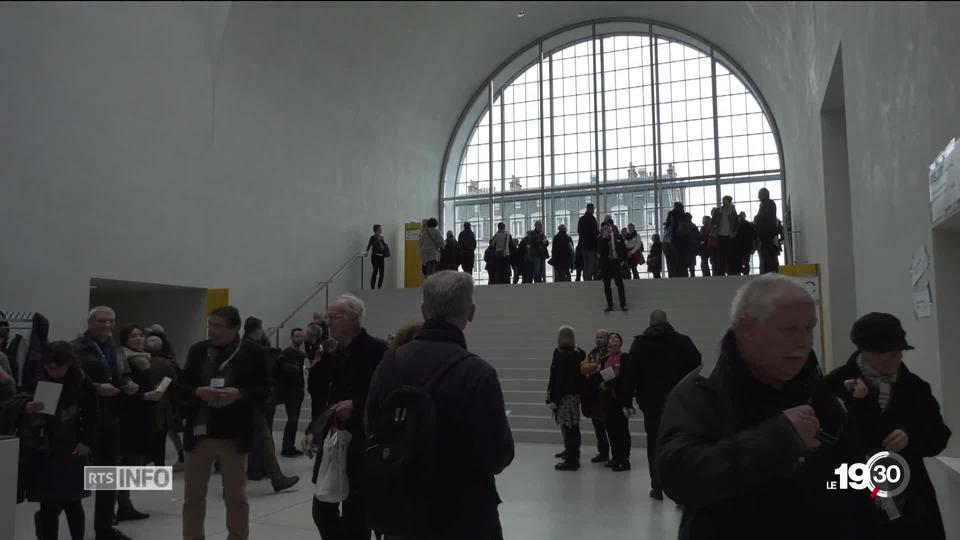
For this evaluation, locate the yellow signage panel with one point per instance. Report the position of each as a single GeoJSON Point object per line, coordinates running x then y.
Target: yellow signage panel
{"type": "Point", "coordinates": [217, 298]}
{"type": "Point", "coordinates": [412, 269]}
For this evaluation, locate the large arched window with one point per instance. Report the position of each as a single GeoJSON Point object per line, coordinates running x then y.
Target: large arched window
{"type": "Point", "coordinates": [630, 115]}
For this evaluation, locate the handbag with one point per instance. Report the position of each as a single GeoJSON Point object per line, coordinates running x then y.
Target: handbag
{"type": "Point", "coordinates": [333, 485]}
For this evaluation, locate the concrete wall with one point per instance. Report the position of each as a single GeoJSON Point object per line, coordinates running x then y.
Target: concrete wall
{"type": "Point", "coordinates": [901, 80]}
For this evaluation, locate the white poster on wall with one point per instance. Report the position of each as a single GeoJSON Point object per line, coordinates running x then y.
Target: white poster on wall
{"type": "Point", "coordinates": [922, 304]}
{"type": "Point", "coordinates": [944, 178]}
{"type": "Point", "coordinates": [920, 264]}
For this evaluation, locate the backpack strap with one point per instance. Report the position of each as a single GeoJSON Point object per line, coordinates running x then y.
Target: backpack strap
{"type": "Point", "coordinates": [435, 379]}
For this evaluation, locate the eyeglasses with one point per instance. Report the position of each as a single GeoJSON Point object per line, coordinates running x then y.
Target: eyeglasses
{"type": "Point", "coordinates": [337, 316]}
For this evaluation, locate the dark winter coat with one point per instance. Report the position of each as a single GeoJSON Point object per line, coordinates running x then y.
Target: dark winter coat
{"type": "Point", "coordinates": [351, 369]}
{"type": "Point", "coordinates": [137, 415]}
{"type": "Point", "coordinates": [475, 439]}
{"type": "Point", "coordinates": [913, 409]}
{"type": "Point", "coordinates": [39, 337]}
{"type": "Point", "coordinates": [537, 242]}
{"type": "Point", "coordinates": [766, 220]}
{"type": "Point", "coordinates": [467, 241]}
{"type": "Point", "coordinates": [588, 231]}
{"type": "Point", "coordinates": [660, 358]}
{"type": "Point", "coordinates": [563, 252]}
{"type": "Point", "coordinates": [610, 266]}
{"type": "Point", "coordinates": [246, 372]}
{"type": "Point", "coordinates": [735, 463]}
{"type": "Point", "coordinates": [746, 236]}
{"type": "Point", "coordinates": [49, 471]}
{"type": "Point", "coordinates": [655, 260]}
{"type": "Point", "coordinates": [118, 374]}
{"type": "Point", "coordinates": [448, 258]}
{"type": "Point", "coordinates": [288, 372]}
{"type": "Point", "coordinates": [318, 380]}
{"type": "Point", "coordinates": [565, 377]}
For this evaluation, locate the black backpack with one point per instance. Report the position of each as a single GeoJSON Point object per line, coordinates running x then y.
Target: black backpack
{"type": "Point", "coordinates": [401, 456]}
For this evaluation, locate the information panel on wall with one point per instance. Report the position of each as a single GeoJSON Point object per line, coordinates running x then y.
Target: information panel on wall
{"type": "Point", "coordinates": [944, 181]}
{"type": "Point", "coordinates": [808, 275]}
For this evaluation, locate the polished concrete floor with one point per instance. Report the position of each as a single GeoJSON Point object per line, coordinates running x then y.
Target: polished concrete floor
{"type": "Point", "coordinates": [539, 504]}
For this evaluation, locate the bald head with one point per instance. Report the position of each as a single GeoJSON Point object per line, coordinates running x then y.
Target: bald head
{"type": "Point", "coordinates": [658, 316]}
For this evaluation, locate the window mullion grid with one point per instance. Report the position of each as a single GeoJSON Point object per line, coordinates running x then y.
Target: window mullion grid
{"type": "Point", "coordinates": [716, 123]}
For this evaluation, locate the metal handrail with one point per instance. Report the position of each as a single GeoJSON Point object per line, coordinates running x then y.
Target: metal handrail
{"type": "Point", "coordinates": [322, 286]}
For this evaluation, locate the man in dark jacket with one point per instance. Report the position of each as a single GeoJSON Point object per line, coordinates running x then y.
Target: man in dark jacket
{"type": "Point", "coordinates": [746, 237]}
{"type": "Point", "coordinates": [739, 450]}
{"type": "Point", "coordinates": [289, 377]}
{"type": "Point", "coordinates": [101, 360]}
{"type": "Point", "coordinates": [588, 231]}
{"type": "Point", "coordinates": [891, 409]}
{"type": "Point", "coordinates": [351, 369]}
{"type": "Point", "coordinates": [467, 242]}
{"type": "Point", "coordinates": [613, 255]}
{"type": "Point", "coordinates": [562, 258]}
{"type": "Point", "coordinates": [767, 232]}
{"type": "Point", "coordinates": [659, 359]}
{"type": "Point", "coordinates": [475, 442]}
{"type": "Point", "coordinates": [224, 381]}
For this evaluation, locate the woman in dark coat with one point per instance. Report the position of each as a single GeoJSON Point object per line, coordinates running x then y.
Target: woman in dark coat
{"type": "Point", "coordinates": [655, 260]}
{"type": "Point", "coordinates": [891, 409]}
{"type": "Point", "coordinates": [563, 395]}
{"type": "Point", "coordinates": [55, 442]}
{"type": "Point", "coordinates": [137, 415]}
{"type": "Point", "coordinates": [612, 400]}
{"type": "Point", "coordinates": [451, 250]}
{"type": "Point", "coordinates": [562, 256]}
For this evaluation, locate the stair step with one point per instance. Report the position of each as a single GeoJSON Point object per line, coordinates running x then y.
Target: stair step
{"type": "Point", "coordinates": [552, 436]}
{"type": "Point", "coordinates": [523, 421]}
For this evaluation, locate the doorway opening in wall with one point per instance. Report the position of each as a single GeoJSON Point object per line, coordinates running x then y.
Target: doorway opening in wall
{"type": "Point", "coordinates": [838, 270]}
{"type": "Point", "coordinates": [179, 310]}
{"type": "Point", "coordinates": [945, 292]}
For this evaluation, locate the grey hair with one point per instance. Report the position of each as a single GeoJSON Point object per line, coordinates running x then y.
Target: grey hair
{"type": "Point", "coordinates": [759, 298]}
{"type": "Point", "coordinates": [314, 330]}
{"type": "Point", "coordinates": [153, 344]}
{"type": "Point", "coordinates": [101, 309]}
{"type": "Point", "coordinates": [354, 305]}
{"type": "Point", "coordinates": [447, 294]}
{"type": "Point", "coordinates": [565, 337]}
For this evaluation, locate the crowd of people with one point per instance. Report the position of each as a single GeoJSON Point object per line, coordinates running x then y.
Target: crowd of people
{"type": "Point", "coordinates": [748, 450]}
{"type": "Point", "coordinates": [725, 242]}
{"type": "Point", "coordinates": [407, 434]}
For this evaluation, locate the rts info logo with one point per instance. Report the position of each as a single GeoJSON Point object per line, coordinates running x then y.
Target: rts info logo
{"type": "Point", "coordinates": [128, 478]}
{"type": "Point", "coordinates": [884, 475]}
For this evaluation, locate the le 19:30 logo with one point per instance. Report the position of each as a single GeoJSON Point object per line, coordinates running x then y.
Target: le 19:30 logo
{"type": "Point", "coordinates": [884, 475]}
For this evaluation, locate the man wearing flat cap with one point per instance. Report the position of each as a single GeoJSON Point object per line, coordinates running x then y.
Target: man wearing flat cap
{"type": "Point", "coordinates": [894, 410]}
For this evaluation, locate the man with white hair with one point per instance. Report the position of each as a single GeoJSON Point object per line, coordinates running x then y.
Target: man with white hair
{"type": "Point", "coordinates": [448, 489]}
{"type": "Point", "coordinates": [739, 449]}
{"type": "Point", "coordinates": [350, 370]}
{"type": "Point", "coordinates": [103, 363]}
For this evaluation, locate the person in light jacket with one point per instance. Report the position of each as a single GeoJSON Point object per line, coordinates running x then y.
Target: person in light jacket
{"type": "Point", "coordinates": [431, 244]}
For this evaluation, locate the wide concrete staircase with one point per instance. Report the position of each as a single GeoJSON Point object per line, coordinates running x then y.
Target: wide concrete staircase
{"type": "Point", "coordinates": [516, 331]}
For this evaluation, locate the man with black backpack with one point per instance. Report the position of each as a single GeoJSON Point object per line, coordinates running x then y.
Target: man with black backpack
{"type": "Point", "coordinates": [437, 429]}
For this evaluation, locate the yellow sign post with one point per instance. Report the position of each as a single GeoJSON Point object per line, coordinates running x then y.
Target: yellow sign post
{"type": "Point", "coordinates": [808, 275]}
{"type": "Point", "coordinates": [412, 269]}
{"type": "Point", "coordinates": [217, 298]}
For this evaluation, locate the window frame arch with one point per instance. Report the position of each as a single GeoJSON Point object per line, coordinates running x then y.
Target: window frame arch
{"type": "Point", "coordinates": [490, 96]}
